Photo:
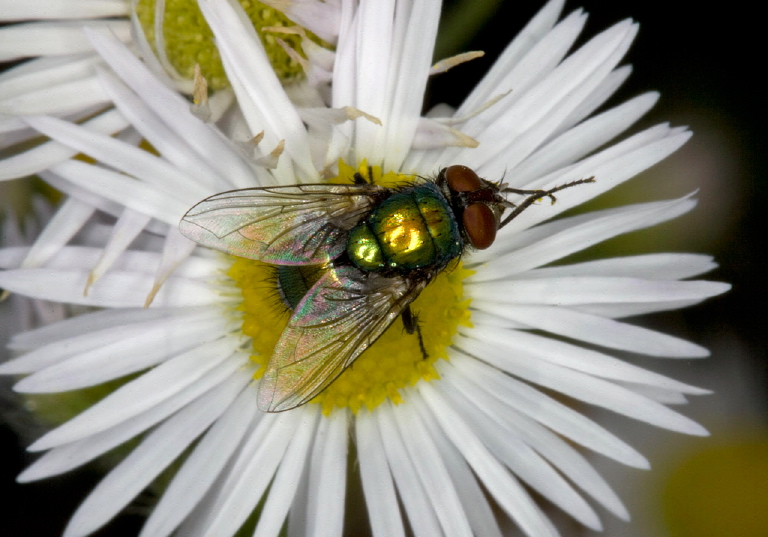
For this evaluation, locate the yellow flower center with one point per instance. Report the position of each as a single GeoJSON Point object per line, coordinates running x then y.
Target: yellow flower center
{"type": "Point", "coordinates": [189, 40]}
{"type": "Point", "coordinates": [395, 360]}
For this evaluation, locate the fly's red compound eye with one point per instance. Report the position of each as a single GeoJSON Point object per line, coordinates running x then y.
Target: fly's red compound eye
{"type": "Point", "coordinates": [479, 220]}
{"type": "Point", "coordinates": [480, 224]}
{"type": "Point", "coordinates": [462, 179]}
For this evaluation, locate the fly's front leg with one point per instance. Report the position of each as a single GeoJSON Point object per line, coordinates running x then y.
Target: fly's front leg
{"type": "Point", "coordinates": [411, 325]}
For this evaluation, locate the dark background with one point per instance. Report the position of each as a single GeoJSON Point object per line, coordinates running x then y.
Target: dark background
{"type": "Point", "coordinates": [705, 64]}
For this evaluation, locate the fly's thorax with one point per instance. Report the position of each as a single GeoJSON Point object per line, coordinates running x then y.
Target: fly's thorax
{"type": "Point", "coordinates": [414, 228]}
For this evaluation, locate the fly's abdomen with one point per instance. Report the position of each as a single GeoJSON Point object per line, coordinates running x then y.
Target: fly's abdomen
{"type": "Point", "coordinates": [412, 229]}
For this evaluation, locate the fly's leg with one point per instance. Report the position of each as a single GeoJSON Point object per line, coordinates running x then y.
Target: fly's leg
{"type": "Point", "coordinates": [411, 325]}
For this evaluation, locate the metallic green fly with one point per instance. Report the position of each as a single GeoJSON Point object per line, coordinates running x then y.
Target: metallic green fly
{"type": "Point", "coordinates": [378, 248]}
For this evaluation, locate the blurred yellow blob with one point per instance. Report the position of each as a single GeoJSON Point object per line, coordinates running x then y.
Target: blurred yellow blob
{"type": "Point", "coordinates": [721, 491]}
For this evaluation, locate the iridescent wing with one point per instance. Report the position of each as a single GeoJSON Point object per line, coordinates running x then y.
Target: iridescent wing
{"type": "Point", "coordinates": [287, 225]}
{"type": "Point", "coordinates": [340, 317]}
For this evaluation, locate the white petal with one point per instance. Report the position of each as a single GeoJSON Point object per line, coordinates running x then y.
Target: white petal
{"type": "Point", "coordinates": [127, 354]}
{"type": "Point", "coordinates": [660, 395]}
{"type": "Point", "coordinates": [248, 476]}
{"type": "Point", "coordinates": [161, 383]}
{"type": "Point", "coordinates": [582, 139]}
{"type": "Point", "coordinates": [554, 240]}
{"type": "Point", "coordinates": [14, 131]}
{"type": "Point", "coordinates": [567, 460]}
{"type": "Point", "coordinates": [519, 84]}
{"type": "Point", "coordinates": [57, 99]}
{"type": "Point", "coordinates": [140, 261]}
{"type": "Point", "coordinates": [599, 331]}
{"type": "Point", "coordinates": [174, 111]}
{"type": "Point", "coordinates": [164, 139]}
{"type": "Point", "coordinates": [508, 448]}
{"type": "Point", "coordinates": [61, 459]}
{"type": "Point", "coordinates": [579, 385]}
{"type": "Point", "coordinates": [413, 494]}
{"type": "Point", "coordinates": [647, 266]}
{"type": "Point", "coordinates": [430, 468]}
{"type": "Point", "coordinates": [509, 494]}
{"type": "Point", "coordinates": [610, 168]}
{"type": "Point", "coordinates": [56, 9]}
{"type": "Point", "coordinates": [536, 347]}
{"type": "Point", "coordinates": [39, 72]}
{"type": "Point", "coordinates": [128, 226]}
{"type": "Point", "coordinates": [473, 498]}
{"type": "Point", "coordinates": [295, 523]}
{"type": "Point", "coordinates": [542, 108]}
{"type": "Point", "coordinates": [632, 309]}
{"type": "Point", "coordinates": [320, 17]}
{"type": "Point", "coordinates": [596, 99]}
{"type": "Point", "coordinates": [549, 412]}
{"type": "Point", "coordinates": [374, 20]}
{"type": "Point", "coordinates": [155, 453]}
{"type": "Point", "coordinates": [143, 165]}
{"type": "Point", "coordinates": [121, 189]}
{"type": "Point", "coordinates": [176, 250]}
{"type": "Point", "coordinates": [327, 477]}
{"type": "Point", "coordinates": [11, 257]}
{"type": "Point", "coordinates": [432, 134]}
{"type": "Point", "coordinates": [85, 327]}
{"type": "Point", "coordinates": [344, 84]}
{"type": "Point", "coordinates": [248, 68]}
{"type": "Point", "coordinates": [202, 466]}
{"type": "Point", "coordinates": [118, 289]}
{"type": "Point", "coordinates": [95, 232]}
{"type": "Point", "coordinates": [380, 497]}
{"type": "Point", "coordinates": [538, 28]}
{"type": "Point", "coordinates": [52, 153]}
{"type": "Point", "coordinates": [567, 291]}
{"type": "Point", "coordinates": [287, 478]}
{"type": "Point", "coordinates": [71, 216]}
{"type": "Point", "coordinates": [62, 37]}
{"type": "Point", "coordinates": [411, 56]}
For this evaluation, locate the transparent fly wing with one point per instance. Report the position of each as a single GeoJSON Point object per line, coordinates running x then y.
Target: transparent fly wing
{"type": "Point", "coordinates": [289, 225]}
{"type": "Point", "coordinates": [338, 319]}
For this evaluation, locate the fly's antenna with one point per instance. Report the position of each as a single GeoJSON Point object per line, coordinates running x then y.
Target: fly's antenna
{"type": "Point", "coordinates": [535, 195]}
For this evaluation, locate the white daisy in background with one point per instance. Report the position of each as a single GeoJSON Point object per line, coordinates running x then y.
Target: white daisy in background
{"type": "Point", "coordinates": [58, 77]}
{"type": "Point", "coordinates": [61, 77]}
{"type": "Point", "coordinates": [449, 437]}
{"type": "Point", "coordinates": [18, 313]}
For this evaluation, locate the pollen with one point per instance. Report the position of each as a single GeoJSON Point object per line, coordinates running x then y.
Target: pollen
{"type": "Point", "coordinates": [264, 316]}
{"type": "Point", "coordinates": [188, 39]}
{"type": "Point", "coordinates": [395, 360]}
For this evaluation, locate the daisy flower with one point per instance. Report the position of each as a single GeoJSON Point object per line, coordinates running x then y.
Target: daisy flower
{"type": "Point", "coordinates": [58, 77]}
{"type": "Point", "coordinates": [17, 312]}
{"type": "Point", "coordinates": [445, 430]}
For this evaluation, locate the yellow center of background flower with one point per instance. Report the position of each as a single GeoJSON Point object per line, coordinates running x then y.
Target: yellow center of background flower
{"type": "Point", "coordinates": [395, 360]}
{"type": "Point", "coordinates": [189, 40]}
